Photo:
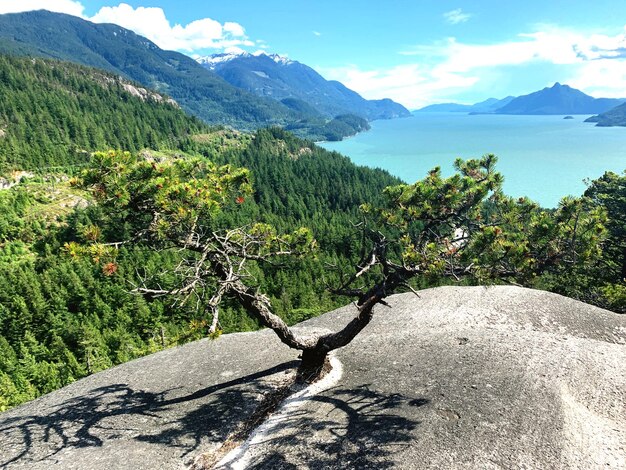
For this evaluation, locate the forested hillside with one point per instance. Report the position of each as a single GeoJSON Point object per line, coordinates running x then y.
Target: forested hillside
{"type": "Point", "coordinates": [54, 113]}
{"type": "Point", "coordinates": [62, 318]}
{"type": "Point", "coordinates": [120, 51]}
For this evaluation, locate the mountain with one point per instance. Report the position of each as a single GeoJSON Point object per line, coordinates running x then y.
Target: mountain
{"type": "Point", "coordinates": [487, 106]}
{"type": "Point", "coordinates": [490, 105]}
{"type": "Point", "coordinates": [54, 113]}
{"type": "Point", "coordinates": [445, 108]}
{"type": "Point", "coordinates": [277, 77]}
{"type": "Point", "coordinates": [118, 50]}
{"type": "Point", "coordinates": [613, 117]}
{"type": "Point", "coordinates": [558, 99]}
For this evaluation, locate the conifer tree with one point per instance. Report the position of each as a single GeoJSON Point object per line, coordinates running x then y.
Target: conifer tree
{"type": "Point", "coordinates": [461, 226]}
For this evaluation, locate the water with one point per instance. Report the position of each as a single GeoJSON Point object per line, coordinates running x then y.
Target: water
{"type": "Point", "coordinates": [542, 157]}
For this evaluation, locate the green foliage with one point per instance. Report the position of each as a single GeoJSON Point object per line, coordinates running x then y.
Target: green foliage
{"type": "Point", "coordinates": [604, 282]}
{"type": "Point", "coordinates": [52, 114]}
{"type": "Point", "coordinates": [182, 191]}
{"type": "Point", "coordinates": [122, 52]}
{"type": "Point", "coordinates": [318, 128]}
{"type": "Point", "coordinates": [609, 192]}
{"type": "Point", "coordinates": [464, 226]}
{"type": "Point", "coordinates": [83, 313]}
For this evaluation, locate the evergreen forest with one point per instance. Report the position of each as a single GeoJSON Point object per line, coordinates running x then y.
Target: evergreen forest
{"type": "Point", "coordinates": [63, 317]}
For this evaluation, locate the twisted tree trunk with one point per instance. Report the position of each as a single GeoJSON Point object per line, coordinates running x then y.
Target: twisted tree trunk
{"type": "Point", "coordinates": [315, 348]}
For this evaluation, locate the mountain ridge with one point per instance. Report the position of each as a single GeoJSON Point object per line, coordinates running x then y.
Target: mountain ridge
{"type": "Point", "coordinates": [197, 89]}
{"type": "Point", "coordinates": [611, 118]}
{"type": "Point", "coordinates": [487, 106]}
{"type": "Point", "coordinates": [115, 49]}
{"type": "Point", "coordinates": [558, 99]}
{"type": "Point", "coordinates": [278, 77]}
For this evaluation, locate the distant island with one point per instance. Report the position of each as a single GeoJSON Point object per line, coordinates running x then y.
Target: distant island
{"type": "Point", "coordinates": [568, 117]}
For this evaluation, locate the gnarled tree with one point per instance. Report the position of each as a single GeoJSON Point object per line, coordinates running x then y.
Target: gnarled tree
{"type": "Point", "coordinates": [439, 227]}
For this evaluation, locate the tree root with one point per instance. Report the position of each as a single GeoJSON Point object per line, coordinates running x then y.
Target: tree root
{"type": "Point", "coordinates": [310, 373]}
{"type": "Point", "coordinates": [268, 404]}
{"type": "Point", "coordinates": [296, 386]}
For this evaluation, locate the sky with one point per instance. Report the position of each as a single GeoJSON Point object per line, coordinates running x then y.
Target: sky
{"type": "Point", "coordinates": [416, 52]}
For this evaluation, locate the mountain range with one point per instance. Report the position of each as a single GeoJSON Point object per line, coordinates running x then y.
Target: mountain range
{"type": "Point", "coordinates": [274, 76]}
{"type": "Point", "coordinates": [490, 105]}
{"type": "Point", "coordinates": [198, 89]}
{"type": "Point", "coordinates": [118, 50]}
{"type": "Point", "coordinates": [558, 99]}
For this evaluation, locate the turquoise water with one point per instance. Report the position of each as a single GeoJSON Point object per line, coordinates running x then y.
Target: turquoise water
{"type": "Point", "coordinates": [542, 157]}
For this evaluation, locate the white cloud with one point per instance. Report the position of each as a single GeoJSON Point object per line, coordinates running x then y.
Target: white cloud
{"type": "Point", "coordinates": [602, 78]}
{"type": "Point", "coordinates": [456, 16]}
{"type": "Point", "coordinates": [70, 7]}
{"type": "Point", "coordinates": [593, 63]}
{"type": "Point", "coordinates": [413, 85]}
{"type": "Point", "coordinates": [152, 23]}
{"type": "Point", "coordinates": [234, 28]}
{"type": "Point", "coordinates": [317, 33]}
{"type": "Point", "coordinates": [598, 62]}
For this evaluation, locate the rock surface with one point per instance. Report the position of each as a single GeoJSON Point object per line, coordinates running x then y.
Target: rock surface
{"type": "Point", "coordinates": [462, 377]}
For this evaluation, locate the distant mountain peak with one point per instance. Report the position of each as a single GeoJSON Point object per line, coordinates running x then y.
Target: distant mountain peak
{"type": "Point", "coordinates": [280, 59]}
{"type": "Point", "coordinates": [211, 61]}
{"type": "Point", "coordinates": [278, 77]}
{"type": "Point", "coordinates": [558, 99]}
{"type": "Point", "coordinates": [561, 86]}
{"type": "Point", "coordinates": [214, 60]}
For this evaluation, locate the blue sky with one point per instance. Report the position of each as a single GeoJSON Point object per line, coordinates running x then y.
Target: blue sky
{"type": "Point", "coordinates": [417, 52]}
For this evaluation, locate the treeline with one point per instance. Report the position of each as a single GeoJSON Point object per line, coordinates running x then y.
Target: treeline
{"type": "Point", "coordinates": [55, 113]}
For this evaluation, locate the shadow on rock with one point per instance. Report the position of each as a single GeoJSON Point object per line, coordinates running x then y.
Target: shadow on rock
{"type": "Point", "coordinates": [116, 412]}
{"type": "Point", "coordinates": [351, 428]}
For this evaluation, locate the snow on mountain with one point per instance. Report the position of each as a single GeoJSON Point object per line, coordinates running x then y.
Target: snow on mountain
{"type": "Point", "coordinates": [280, 78]}
{"type": "Point", "coordinates": [213, 60]}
